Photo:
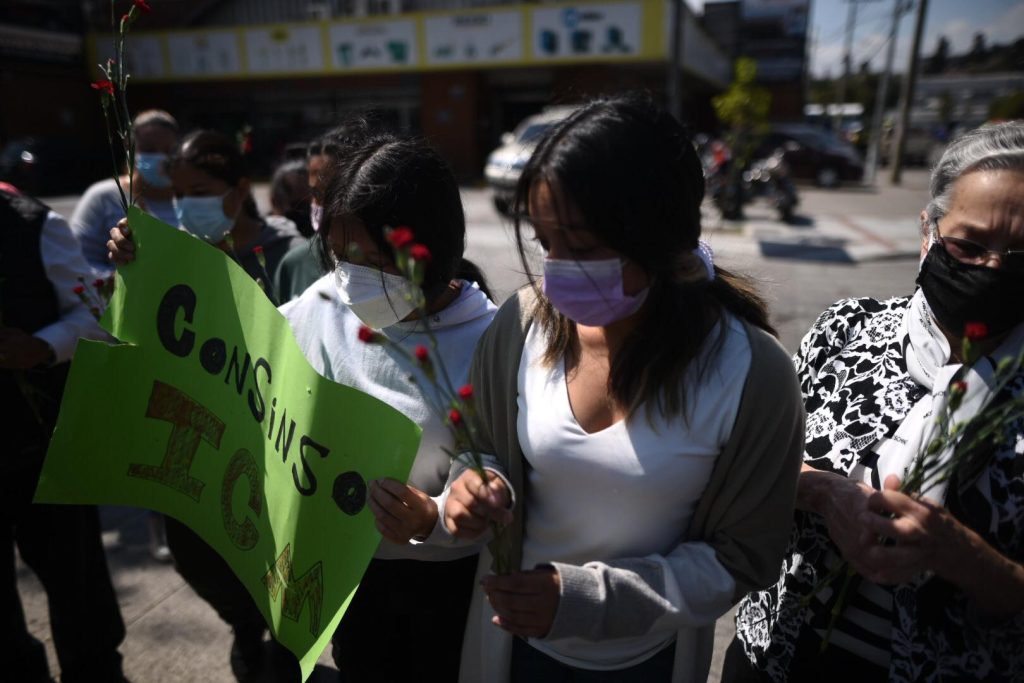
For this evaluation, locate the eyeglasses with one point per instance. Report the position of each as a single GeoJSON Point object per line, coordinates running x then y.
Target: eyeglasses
{"type": "Point", "coordinates": [966, 251]}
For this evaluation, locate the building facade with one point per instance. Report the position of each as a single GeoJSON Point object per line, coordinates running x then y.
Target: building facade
{"type": "Point", "coordinates": [460, 72]}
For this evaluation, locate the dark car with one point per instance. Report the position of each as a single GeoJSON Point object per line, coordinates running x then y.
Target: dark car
{"type": "Point", "coordinates": [45, 167]}
{"type": "Point", "coordinates": [814, 154]}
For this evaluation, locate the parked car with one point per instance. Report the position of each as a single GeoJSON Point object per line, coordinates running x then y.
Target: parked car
{"type": "Point", "coordinates": [814, 154]}
{"type": "Point", "coordinates": [45, 167]}
{"type": "Point", "coordinates": [506, 163]}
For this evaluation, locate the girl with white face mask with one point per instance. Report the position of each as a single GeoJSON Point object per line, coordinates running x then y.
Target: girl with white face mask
{"type": "Point", "coordinates": [649, 422]}
{"type": "Point", "coordinates": [213, 201]}
{"type": "Point", "coordinates": [418, 576]}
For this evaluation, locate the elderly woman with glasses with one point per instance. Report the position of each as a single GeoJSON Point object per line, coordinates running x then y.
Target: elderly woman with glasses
{"type": "Point", "coordinates": [941, 588]}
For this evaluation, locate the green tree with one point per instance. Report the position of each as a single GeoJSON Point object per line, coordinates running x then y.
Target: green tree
{"type": "Point", "coordinates": [1007, 107]}
{"type": "Point", "coordinates": [743, 109]}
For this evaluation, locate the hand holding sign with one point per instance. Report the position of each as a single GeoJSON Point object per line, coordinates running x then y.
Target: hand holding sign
{"type": "Point", "coordinates": [227, 428]}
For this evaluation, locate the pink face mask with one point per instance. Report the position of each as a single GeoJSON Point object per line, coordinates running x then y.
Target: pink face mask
{"type": "Point", "coordinates": [589, 292]}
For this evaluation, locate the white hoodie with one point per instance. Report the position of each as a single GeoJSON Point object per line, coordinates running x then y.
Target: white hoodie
{"type": "Point", "coordinates": [327, 332]}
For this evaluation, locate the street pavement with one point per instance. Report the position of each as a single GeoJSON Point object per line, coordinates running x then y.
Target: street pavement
{"type": "Point", "coordinates": [846, 242]}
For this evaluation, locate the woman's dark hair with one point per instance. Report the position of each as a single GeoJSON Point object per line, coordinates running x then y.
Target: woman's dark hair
{"type": "Point", "coordinates": [333, 144]}
{"type": "Point", "coordinates": [217, 155]}
{"type": "Point", "coordinates": [631, 170]}
{"type": "Point", "coordinates": [387, 180]}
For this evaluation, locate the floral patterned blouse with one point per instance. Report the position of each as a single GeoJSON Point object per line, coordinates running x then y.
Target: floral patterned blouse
{"type": "Point", "coordinates": [856, 389]}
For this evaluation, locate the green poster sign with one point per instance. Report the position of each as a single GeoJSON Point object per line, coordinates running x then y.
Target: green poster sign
{"type": "Point", "coordinates": [211, 414]}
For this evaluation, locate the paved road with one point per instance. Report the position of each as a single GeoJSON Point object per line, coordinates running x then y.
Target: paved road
{"type": "Point", "coordinates": [849, 242]}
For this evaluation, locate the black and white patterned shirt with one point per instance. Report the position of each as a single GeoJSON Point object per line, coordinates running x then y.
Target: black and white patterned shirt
{"type": "Point", "coordinates": [857, 390]}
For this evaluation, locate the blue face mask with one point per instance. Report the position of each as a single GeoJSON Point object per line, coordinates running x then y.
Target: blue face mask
{"type": "Point", "coordinates": [151, 168]}
{"type": "Point", "coordinates": [204, 217]}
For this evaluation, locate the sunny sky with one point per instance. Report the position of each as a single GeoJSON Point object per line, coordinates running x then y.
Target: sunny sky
{"type": "Point", "coordinates": [1001, 21]}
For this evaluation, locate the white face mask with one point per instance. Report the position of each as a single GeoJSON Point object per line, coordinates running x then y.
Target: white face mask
{"type": "Point", "coordinates": [378, 299]}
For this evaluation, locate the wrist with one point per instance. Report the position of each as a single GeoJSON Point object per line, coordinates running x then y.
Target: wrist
{"type": "Point", "coordinates": [429, 521]}
{"type": "Point", "coordinates": [44, 353]}
{"type": "Point", "coordinates": [993, 582]}
{"type": "Point", "coordinates": [813, 490]}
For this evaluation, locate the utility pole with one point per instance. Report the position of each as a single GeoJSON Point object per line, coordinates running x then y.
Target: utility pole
{"type": "Point", "coordinates": [907, 95]}
{"type": "Point", "coordinates": [851, 22]}
{"type": "Point", "coordinates": [675, 68]}
{"type": "Point", "coordinates": [871, 165]}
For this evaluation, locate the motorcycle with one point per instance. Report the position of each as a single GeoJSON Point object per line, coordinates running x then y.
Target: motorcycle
{"type": "Point", "coordinates": [770, 179]}
{"type": "Point", "coordinates": [731, 189]}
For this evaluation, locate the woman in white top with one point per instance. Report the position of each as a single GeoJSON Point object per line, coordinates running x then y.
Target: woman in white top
{"type": "Point", "coordinates": [649, 423]}
{"type": "Point", "coordinates": [415, 592]}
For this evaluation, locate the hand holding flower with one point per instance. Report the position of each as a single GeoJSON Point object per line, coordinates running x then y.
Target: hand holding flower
{"type": "Point", "coordinates": [401, 512]}
{"type": "Point", "coordinates": [524, 603]}
{"type": "Point", "coordinates": [120, 247]}
{"type": "Point", "coordinates": [841, 502]}
{"type": "Point", "coordinates": [928, 538]}
{"type": "Point", "coordinates": [472, 505]}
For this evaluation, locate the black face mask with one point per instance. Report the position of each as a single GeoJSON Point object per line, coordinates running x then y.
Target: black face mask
{"type": "Point", "coordinates": [959, 293]}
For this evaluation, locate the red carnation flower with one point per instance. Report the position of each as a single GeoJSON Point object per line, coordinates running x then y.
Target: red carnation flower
{"type": "Point", "coordinates": [79, 289]}
{"type": "Point", "coordinates": [400, 237]}
{"type": "Point", "coordinates": [975, 331]}
{"type": "Point", "coordinates": [455, 417]}
{"type": "Point", "coordinates": [366, 334]}
{"type": "Point", "coordinates": [422, 355]}
{"type": "Point", "coordinates": [418, 252]}
{"type": "Point", "coordinates": [466, 392]}
{"type": "Point", "coordinates": [104, 86]}
{"type": "Point", "coordinates": [142, 5]}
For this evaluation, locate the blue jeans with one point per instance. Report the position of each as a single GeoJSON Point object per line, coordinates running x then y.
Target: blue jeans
{"type": "Point", "coordinates": [530, 665]}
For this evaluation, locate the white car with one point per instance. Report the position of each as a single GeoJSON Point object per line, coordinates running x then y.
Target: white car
{"type": "Point", "coordinates": [505, 164]}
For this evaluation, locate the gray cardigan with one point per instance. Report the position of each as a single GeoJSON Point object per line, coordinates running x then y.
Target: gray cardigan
{"type": "Point", "coordinates": [744, 514]}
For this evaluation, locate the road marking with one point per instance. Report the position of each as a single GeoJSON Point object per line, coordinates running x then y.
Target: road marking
{"type": "Point", "coordinates": [854, 226]}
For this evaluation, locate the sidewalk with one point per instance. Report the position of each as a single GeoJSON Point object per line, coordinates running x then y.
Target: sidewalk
{"type": "Point", "coordinates": [847, 225]}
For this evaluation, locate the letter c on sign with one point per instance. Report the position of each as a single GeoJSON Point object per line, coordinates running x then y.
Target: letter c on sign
{"type": "Point", "coordinates": [244, 534]}
{"type": "Point", "coordinates": [183, 297]}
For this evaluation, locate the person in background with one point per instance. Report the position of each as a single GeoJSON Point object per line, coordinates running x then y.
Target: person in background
{"type": "Point", "coordinates": [417, 587]}
{"type": "Point", "coordinates": [301, 267]}
{"type": "Point", "coordinates": [214, 202]}
{"type": "Point", "coordinates": [156, 136]}
{"type": "Point", "coordinates": [290, 195]}
{"type": "Point", "coordinates": [42, 320]}
{"type": "Point", "coordinates": [641, 406]}
{"type": "Point", "coordinates": [941, 589]}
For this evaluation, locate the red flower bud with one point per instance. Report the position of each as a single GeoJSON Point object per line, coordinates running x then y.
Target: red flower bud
{"type": "Point", "coordinates": [103, 86]}
{"type": "Point", "coordinates": [366, 334]}
{"type": "Point", "coordinates": [466, 392]}
{"type": "Point", "coordinates": [142, 5]}
{"type": "Point", "coordinates": [98, 284]}
{"type": "Point", "coordinates": [79, 289]}
{"type": "Point", "coordinates": [418, 252]}
{"type": "Point", "coordinates": [455, 417]}
{"type": "Point", "coordinates": [257, 250]}
{"type": "Point", "coordinates": [958, 387]}
{"type": "Point", "coordinates": [975, 331]}
{"type": "Point", "coordinates": [400, 237]}
{"type": "Point", "coordinates": [422, 355]}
